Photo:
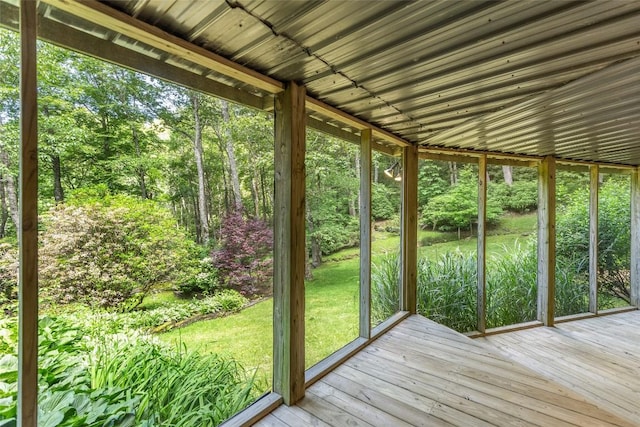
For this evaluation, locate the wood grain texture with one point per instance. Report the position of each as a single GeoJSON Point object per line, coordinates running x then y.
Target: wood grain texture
{"type": "Point", "coordinates": [122, 23]}
{"type": "Point", "coordinates": [593, 238]}
{"type": "Point", "coordinates": [409, 243]}
{"type": "Point", "coordinates": [289, 244]}
{"type": "Point", "coordinates": [482, 245]}
{"type": "Point", "coordinates": [365, 233]}
{"type": "Point", "coordinates": [598, 358]}
{"type": "Point", "coordinates": [28, 228]}
{"type": "Point", "coordinates": [546, 240]}
{"type": "Point", "coordinates": [423, 374]}
{"type": "Point", "coordinates": [635, 238]}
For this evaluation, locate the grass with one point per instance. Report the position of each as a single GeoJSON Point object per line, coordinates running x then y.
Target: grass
{"type": "Point", "coordinates": [331, 302]}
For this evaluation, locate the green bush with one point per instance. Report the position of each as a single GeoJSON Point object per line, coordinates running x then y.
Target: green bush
{"type": "Point", "coordinates": [203, 279]}
{"type": "Point", "coordinates": [385, 202]}
{"type": "Point", "coordinates": [447, 288]}
{"type": "Point", "coordinates": [110, 252]}
{"type": "Point", "coordinates": [521, 196]}
{"type": "Point", "coordinates": [88, 378]}
{"type": "Point", "coordinates": [8, 277]}
{"type": "Point", "coordinates": [614, 234]}
{"type": "Point", "coordinates": [458, 207]}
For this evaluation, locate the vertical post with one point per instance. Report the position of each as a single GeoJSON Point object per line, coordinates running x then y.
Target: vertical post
{"type": "Point", "coordinates": [482, 243]}
{"type": "Point", "coordinates": [289, 244]}
{"type": "Point", "coordinates": [635, 237]}
{"type": "Point", "coordinates": [546, 240]}
{"type": "Point", "coordinates": [594, 171]}
{"type": "Point", "coordinates": [365, 233]}
{"type": "Point", "coordinates": [28, 227]}
{"type": "Point", "coordinates": [409, 229]}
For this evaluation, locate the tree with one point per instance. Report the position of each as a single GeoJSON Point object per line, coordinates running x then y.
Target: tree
{"type": "Point", "coordinates": [110, 250]}
{"type": "Point", "coordinates": [244, 259]}
{"type": "Point", "coordinates": [458, 207]}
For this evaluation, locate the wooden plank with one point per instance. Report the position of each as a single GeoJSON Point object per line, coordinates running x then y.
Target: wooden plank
{"type": "Point", "coordinates": [365, 234]}
{"type": "Point", "coordinates": [326, 365]}
{"type": "Point", "coordinates": [635, 238]}
{"type": "Point", "coordinates": [593, 238]}
{"type": "Point", "coordinates": [355, 407]}
{"type": "Point", "coordinates": [289, 244]}
{"type": "Point", "coordinates": [546, 240]}
{"type": "Point", "coordinates": [112, 19]}
{"type": "Point", "coordinates": [482, 245]}
{"type": "Point", "coordinates": [331, 112]}
{"type": "Point", "coordinates": [28, 228]}
{"type": "Point", "coordinates": [409, 229]}
{"type": "Point", "coordinates": [256, 411]}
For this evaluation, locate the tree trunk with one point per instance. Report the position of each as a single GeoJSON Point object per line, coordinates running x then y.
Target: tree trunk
{"type": "Point", "coordinates": [199, 157]}
{"type": "Point", "coordinates": [58, 192]}
{"type": "Point", "coordinates": [255, 192]}
{"type": "Point", "coordinates": [10, 186]}
{"type": "Point", "coordinates": [4, 214]}
{"type": "Point", "coordinates": [507, 172]}
{"type": "Point", "coordinates": [139, 168]}
{"type": "Point", "coordinates": [233, 168]}
{"type": "Point", "coordinates": [453, 173]}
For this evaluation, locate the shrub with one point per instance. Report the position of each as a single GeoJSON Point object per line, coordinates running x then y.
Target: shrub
{"type": "Point", "coordinates": [614, 245]}
{"type": "Point", "coordinates": [521, 196]}
{"type": "Point", "coordinates": [458, 208]}
{"type": "Point", "coordinates": [203, 279]}
{"type": "Point", "coordinates": [92, 379]}
{"type": "Point", "coordinates": [244, 259]}
{"type": "Point", "coordinates": [110, 252]}
{"type": "Point", "coordinates": [8, 276]}
{"type": "Point", "coordinates": [385, 202]}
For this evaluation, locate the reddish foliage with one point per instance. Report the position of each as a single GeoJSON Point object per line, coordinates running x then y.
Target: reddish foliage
{"type": "Point", "coordinates": [244, 259]}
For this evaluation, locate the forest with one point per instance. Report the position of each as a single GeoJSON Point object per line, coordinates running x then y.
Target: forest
{"type": "Point", "coordinates": [156, 212]}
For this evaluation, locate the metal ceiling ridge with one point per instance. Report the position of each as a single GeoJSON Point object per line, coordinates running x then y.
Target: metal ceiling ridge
{"type": "Point", "coordinates": [121, 23]}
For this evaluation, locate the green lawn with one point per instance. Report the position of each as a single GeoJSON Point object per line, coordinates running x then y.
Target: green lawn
{"type": "Point", "coordinates": [331, 302]}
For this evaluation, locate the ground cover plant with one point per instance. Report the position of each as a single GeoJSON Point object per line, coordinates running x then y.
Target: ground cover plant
{"type": "Point", "coordinates": [92, 377]}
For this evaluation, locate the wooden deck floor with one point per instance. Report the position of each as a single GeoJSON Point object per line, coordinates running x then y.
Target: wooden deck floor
{"type": "Point", "coordinates": [423, 374]}
{"type": "Point", "coordinates": [598, 358]}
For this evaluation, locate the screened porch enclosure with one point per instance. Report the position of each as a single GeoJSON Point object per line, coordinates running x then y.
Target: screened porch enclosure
{"type": "Point", "coordinates": [543, 86]}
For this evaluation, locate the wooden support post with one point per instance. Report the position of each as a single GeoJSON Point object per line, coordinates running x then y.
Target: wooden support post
{"type": "Point", "coordinates": [546, 240]}
{"type": "Point", "coordinates": [593, 238]}
{"type": "Point", "coordinates": [28, 227]}
{"type": "Point", "coordinates": [482, 244]}
{"type": "Point", "coordinates": [365, 233]}
{"type": "Point", "coordinates": [409, 229]}
{"type": "Point", "coordinates": [635, 237]}
{"type": "Point", "coordinates": [289, 244]}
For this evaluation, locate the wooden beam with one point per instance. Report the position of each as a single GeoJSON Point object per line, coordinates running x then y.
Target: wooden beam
{"type": "Point", "coordinates": [365, 233]}
{"type": "Point", "coordinates": [28, 227]}
{"type": "Point", "coordinates": [593, 238]}
{"type": "Point", "coordinates": [635, 237]}
{"type": "Point", "coordinates": [482, 245]}
{"type": "Point", "coordinates": [327, 110]}
{"type": "Point", "coordinates": [114, 20]}
{"type": "Point", "coordinates": [409, 229]}
{"type": "Point", "coordinates": [289, 245]}
{"type": "Point", "coordinates": [546, 240]}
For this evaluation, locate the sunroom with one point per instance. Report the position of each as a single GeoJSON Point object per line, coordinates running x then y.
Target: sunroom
{"type": "Point", "coordinates": [546, 87]}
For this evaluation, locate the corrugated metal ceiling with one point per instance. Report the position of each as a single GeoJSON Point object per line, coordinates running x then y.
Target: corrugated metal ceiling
{"type": "Point", "coordinates": [526, 77]}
